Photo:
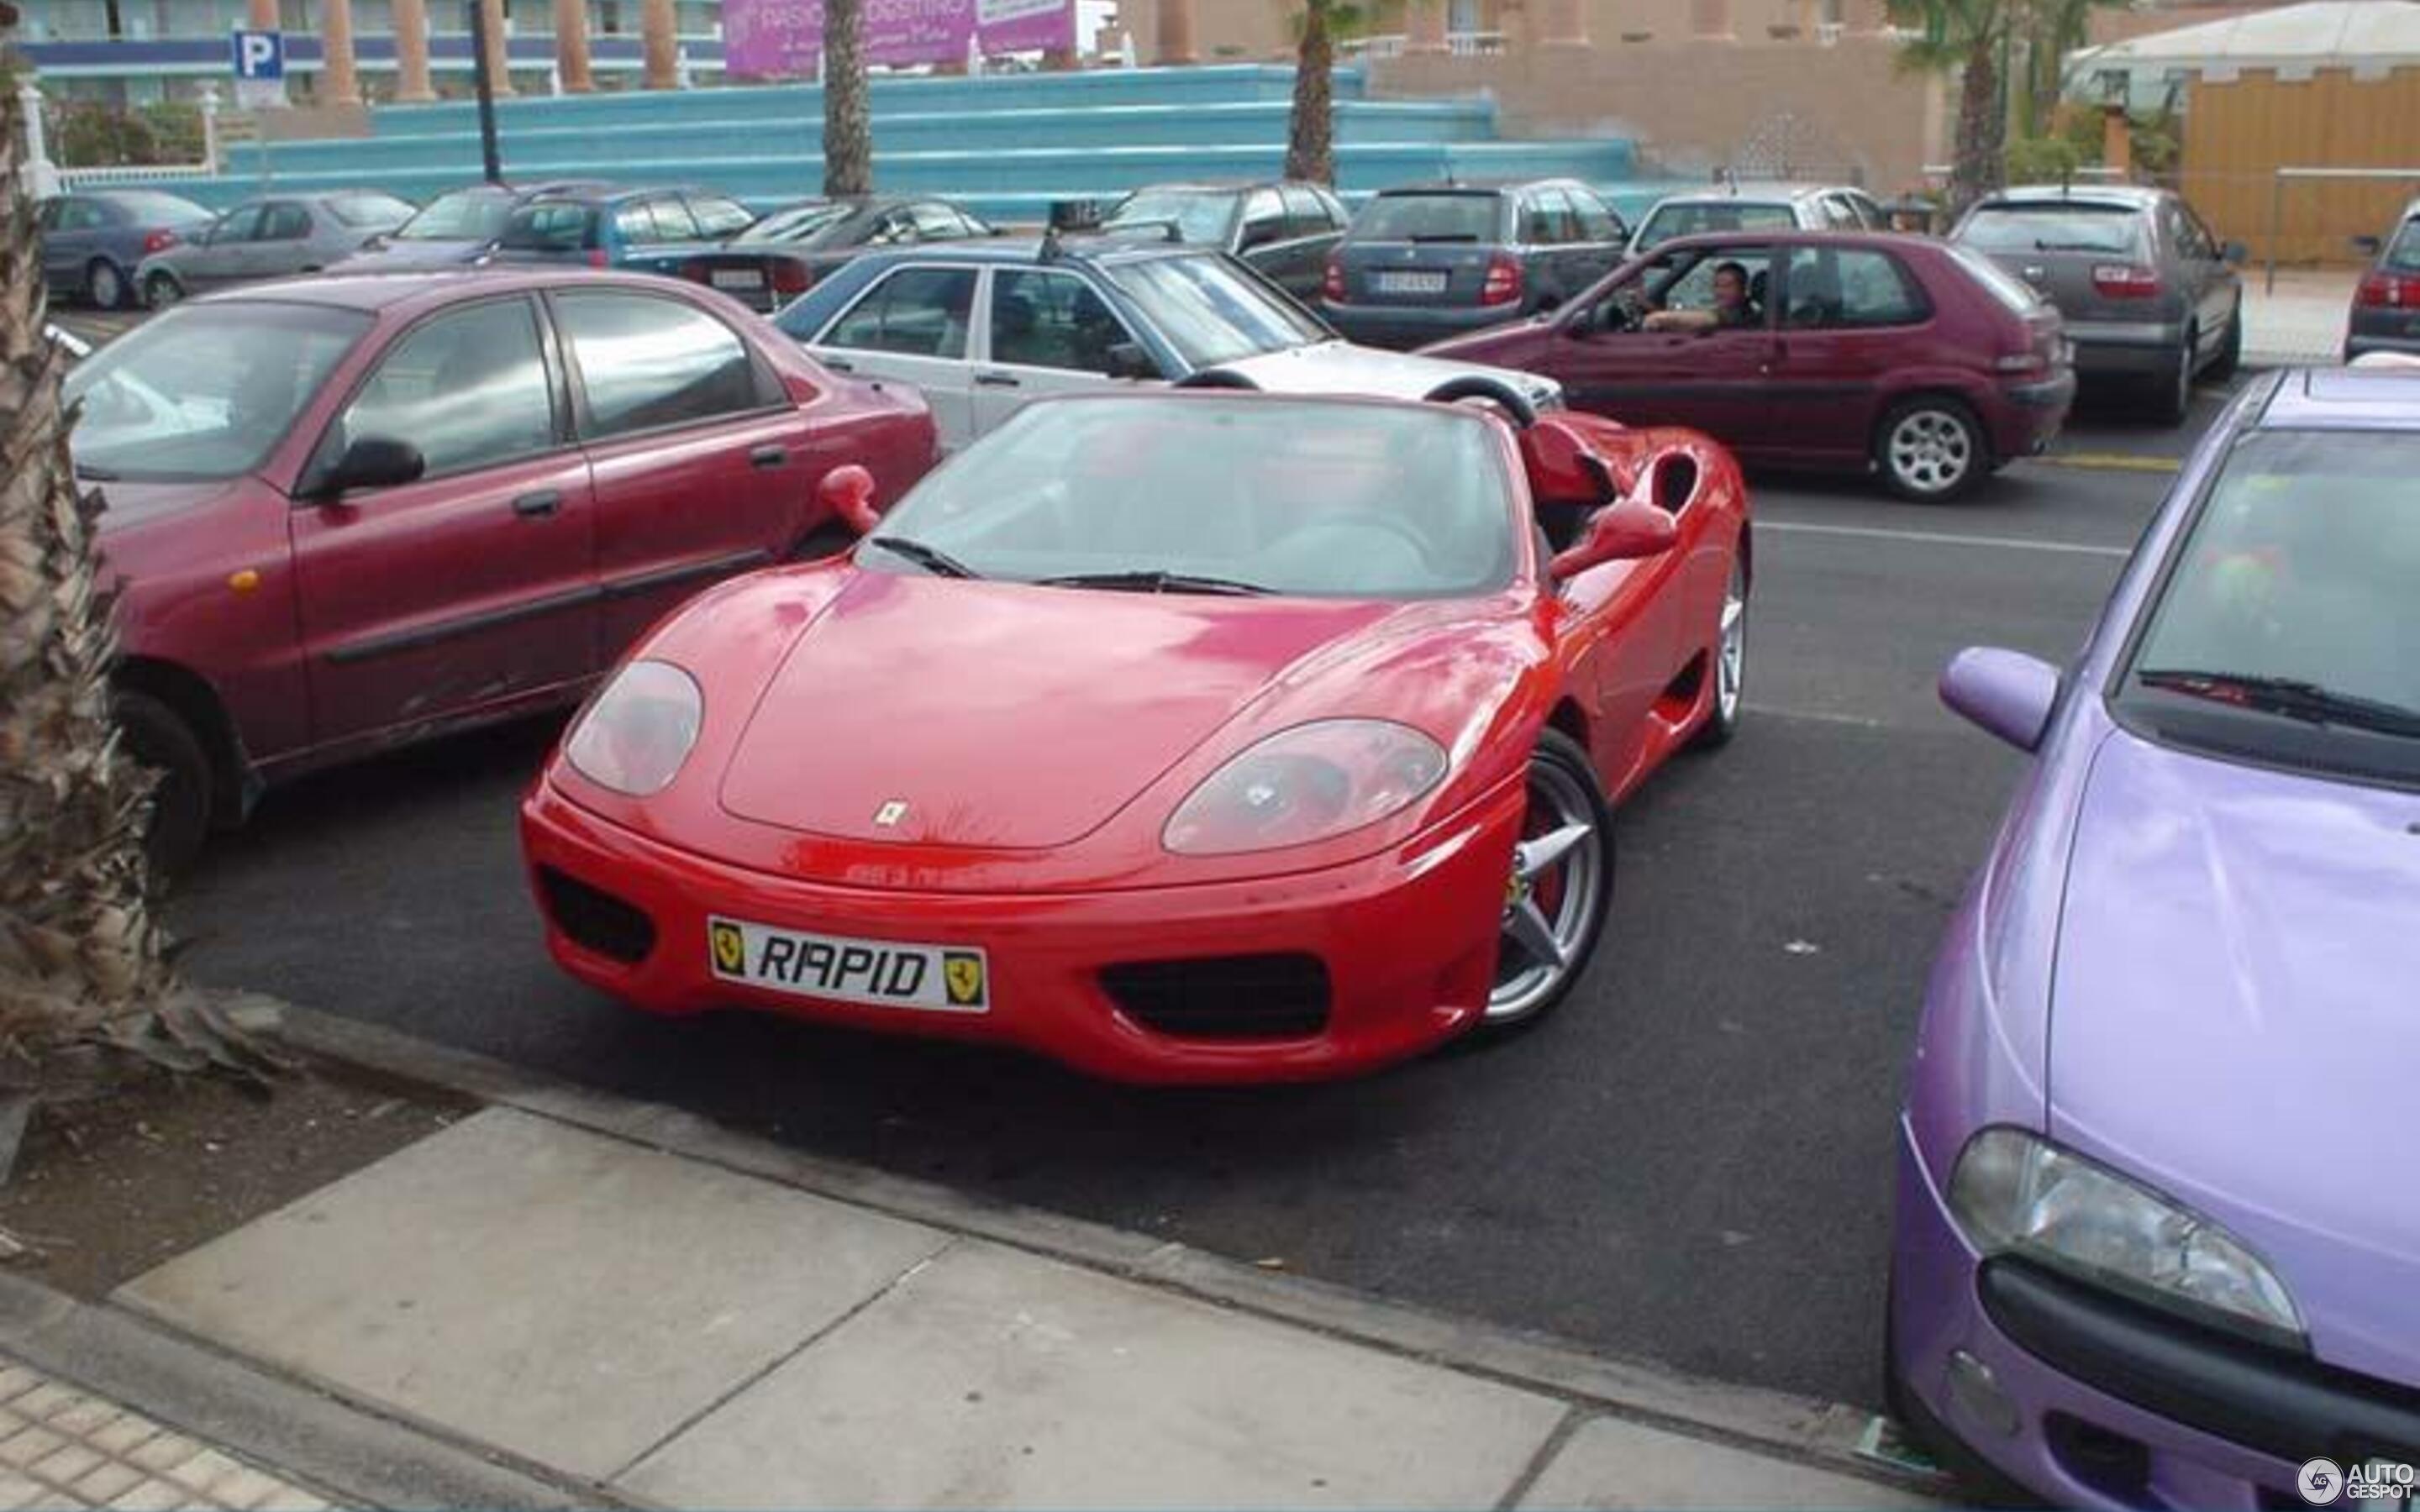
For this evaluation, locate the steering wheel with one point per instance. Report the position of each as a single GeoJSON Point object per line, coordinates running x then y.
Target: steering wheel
{"type": "Point", "coordinates": [1516, 404]}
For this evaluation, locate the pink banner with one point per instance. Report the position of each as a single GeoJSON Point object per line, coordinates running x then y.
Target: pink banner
{"type": "Point", "coordinates": [780, 38]}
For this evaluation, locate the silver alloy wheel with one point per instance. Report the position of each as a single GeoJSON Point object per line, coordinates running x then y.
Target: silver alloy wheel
{"type": "Point", "coordinates": [1931, 451]}
{"type": "Point", "coordinates": [1730, 656]}
{"type": "Point", "coordinates": [108, 289]}
{"type": "Point", "coordinates": [1551, 899]}
{"type": "Point", "coordinates": [162, 291]}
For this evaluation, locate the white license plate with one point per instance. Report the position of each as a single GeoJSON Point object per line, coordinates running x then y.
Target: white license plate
{"type": "Point", "coordinates": [737, 278]}
{"type": "Point", "coordinates": [1411, 283]}
{"type": "Point", "coordinates": [934, 979]}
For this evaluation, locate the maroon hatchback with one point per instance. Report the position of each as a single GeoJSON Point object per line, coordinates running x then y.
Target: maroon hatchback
{"type": "Point", "coordinates": [1918, 360]}
{"type": "Point", "coordinates": [353, 512]}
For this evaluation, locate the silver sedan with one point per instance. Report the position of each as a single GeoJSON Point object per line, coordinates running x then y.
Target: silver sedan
{"type": "Point", "coordinates": [277, 236]}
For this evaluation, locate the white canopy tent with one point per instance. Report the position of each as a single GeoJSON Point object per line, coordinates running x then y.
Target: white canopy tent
{"type": "Point", "coordinates": [2372, 38]}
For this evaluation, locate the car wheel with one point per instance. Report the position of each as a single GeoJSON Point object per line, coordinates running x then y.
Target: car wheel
{"type": "Point", "coordinates": [162, 291]}
{"type": "Point", "coordinates": [2176, 390]}
{"type": "Point", "coordinates": [1730, 666]}
{"type": "Point", "coordinates": [104, 285]}
{"type": "Point", "coordinates": [1561, 881]}
{"type": "Point", "coordinates": [1932, 450]}
{"type": "Point", "coordinates": [158, 737]}
{"type": "Point", "coordinates": [2230, 356]}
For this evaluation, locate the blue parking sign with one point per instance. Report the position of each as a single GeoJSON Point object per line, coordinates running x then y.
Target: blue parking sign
{"type": "Point", "coordinates": [259, 55]}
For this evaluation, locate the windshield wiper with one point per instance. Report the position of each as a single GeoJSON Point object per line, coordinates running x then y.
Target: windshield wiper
{"type": "Point", "coordinates": [932, 558]}
{"type": "Point", "coordinates": [2293, 698]}
{"type": "Point", "coordinates": [93, 474]}
{"type": "Point", "coordinates": [1156, 581]}
{"type": "Point", "coordinates": [1462, 238]}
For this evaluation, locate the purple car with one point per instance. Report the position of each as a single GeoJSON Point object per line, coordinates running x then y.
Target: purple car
{"type": "Point", "coordinates": [2159, 1190]}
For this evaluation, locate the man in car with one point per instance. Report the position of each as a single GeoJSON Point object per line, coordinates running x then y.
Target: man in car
{"type": "Point", "coordinates": [1732, 308]}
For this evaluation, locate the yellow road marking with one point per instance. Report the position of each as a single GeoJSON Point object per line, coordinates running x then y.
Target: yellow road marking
{"type": "Point", "coordinates": [2110, 462]}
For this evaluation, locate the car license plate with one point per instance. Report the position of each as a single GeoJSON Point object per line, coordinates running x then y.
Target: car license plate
{"type": "Point", "coordinates": [932, 979]}
{"type": "Point", "coordinates": [1403, 283]}
{"type": "Point", "coordinates": [737, 278]}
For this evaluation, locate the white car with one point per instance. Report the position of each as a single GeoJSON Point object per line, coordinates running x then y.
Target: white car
{"type": "Point", "coordinates": [982, 328]}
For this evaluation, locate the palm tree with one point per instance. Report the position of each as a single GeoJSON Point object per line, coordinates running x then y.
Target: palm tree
{"type": "Point", "coordinates": [1968, 36]}
{"type": "Point", "coordinates": [86, 995]}
{"type": "Point", "coordinates": [1311, 134]}
{"type": "Point", "coordinates": [2057, 27]}
{"type": "Point", "coordinates": [849, 122]}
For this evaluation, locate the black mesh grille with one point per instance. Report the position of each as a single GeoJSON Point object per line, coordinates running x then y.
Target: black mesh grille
{"type": "Point", "coordinates": [1224, 997]}
{"type": "Point", "coordinates": [596, 920]}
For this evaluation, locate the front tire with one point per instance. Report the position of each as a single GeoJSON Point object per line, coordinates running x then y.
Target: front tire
{"type": "Point", "coordinates": [1931, 449]}
{"type": "Point", "coordinates": [162, 291]}
{"type": "Point", "coordinates": [103, 284]}
{"type": "Point", "coordinates": [158, 737]}
{"type": "Point", "coordinates": [1559, 887]}
{"type": "Point", "coordinates": [1730, 668]}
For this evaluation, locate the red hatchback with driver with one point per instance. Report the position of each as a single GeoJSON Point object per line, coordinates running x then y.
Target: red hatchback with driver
{"type": "Point", "coordinates": [1915, 359]}
{"type": "Point", "coordinates": [353, 512]}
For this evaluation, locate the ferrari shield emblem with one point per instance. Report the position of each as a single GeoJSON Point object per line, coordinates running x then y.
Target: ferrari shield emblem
{"type": "Point", "coordinates": [889, 815]}
{"type": "Point", "coordinates": [730, 947]}
{"type": "Point", "coordinates": [962, 973]}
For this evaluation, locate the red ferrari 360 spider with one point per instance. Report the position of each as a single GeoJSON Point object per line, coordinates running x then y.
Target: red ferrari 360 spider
{"type": "Point", "coordinates": [1184, 738]}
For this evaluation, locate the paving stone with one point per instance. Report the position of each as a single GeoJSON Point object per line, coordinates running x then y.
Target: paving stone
{"type": "Point", "coordinates": [161, 1454]}
{"type": "Point", "coordinates": [67, 1464]}
{"type": "Point", "coordinates": [247, 1487]}
{"type": "Point", "coordinates": [565, 1296]}
{"type": "Point", "coordinates": [204, 1472]}
{"type": "Point", "coordinates": [291, 1499]}
{"type": "Point", "coordinates": [15, 1380]}
{"type": "Point", "coordinates": [22, 1490]}
{"type": "Point", "coordinates": [108, 1483]}
{"type": "Point", "coordinates": [28, 1445]}
{"type": "Point", "coordinates": [45, 1401]}
{"type": "Point", "coordinates": [155, 1496]}
{"type": "Point", "coordinates": [124, 1436]}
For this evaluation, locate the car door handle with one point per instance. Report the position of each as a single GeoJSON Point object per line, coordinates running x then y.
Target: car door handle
{"type": "Point", "coordinates": [998, 381]}
{"type": "Point", "coordinates": [838, 364]}
{"type": "Point", "coordinates": [538, 505]}
{"type": "Point", "coordinates": [768, 456]}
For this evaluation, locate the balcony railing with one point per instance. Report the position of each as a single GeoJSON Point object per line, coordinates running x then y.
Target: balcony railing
{"type": "Point", "coordinates": [1395, 44]}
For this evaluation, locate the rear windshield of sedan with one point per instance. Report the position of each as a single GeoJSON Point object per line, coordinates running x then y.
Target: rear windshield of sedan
{"type": "Point", "coordinates": [1429, 218]}
{"type": "Point", "coordinates": [551, 227]}
{"type": "Point", "coordinates": [1696, 217]}
{"type": "Point", "coordinates": [2111, 230]}
{"type": "Point", "coordinates": [2298, 576]}
{"type": "Point", "coordinates": [465, 215]}
{"type": "Point", "coordinates": [1212, 313]}
{"type": "Point", "coordinates": [204, 390]}
{"type": "Point", "coordinates": [1323, 500]}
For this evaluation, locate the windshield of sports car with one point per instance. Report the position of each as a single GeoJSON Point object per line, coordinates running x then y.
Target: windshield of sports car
{"type": "Point", "coordinates": [1200, 217]}
{"type": "Point", "coordinates": [1217, 495]}
{"type": "Point", "coordinates": [1693, 217]}
{"type": "Point", "coordinates": [1213, 312]}
{"type": "Point", "coordinates": [465, 215]}
{"type": "Point", "coordinates": [2286, 629]}
{"type": "Point", "coordinates": [204, 390]}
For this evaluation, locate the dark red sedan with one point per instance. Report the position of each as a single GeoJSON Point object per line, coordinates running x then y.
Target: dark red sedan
{"type": "Point", "coordinates": [1914, 359]}
{"type": "Point", "coordinates": [354, 512]}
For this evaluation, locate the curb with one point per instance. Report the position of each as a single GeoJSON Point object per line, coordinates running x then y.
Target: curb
{"type": "Point", "coordinates": [1816, 1433]}
{"type": "Point", "coordinates": [296, 1431]}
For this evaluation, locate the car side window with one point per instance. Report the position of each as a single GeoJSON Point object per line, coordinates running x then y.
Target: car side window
{"type": "Point", "coordinates": [468, 388]}
{"type": "Point", "coordinates": [1850, 289]}
{"type": "Point", "coordinates": [716, 217]}
{"type": "Point", "coordinates": [1305, 215]}
{"type": "Point", "coordinates": [936, 223]}
{"type": "Point", "coordinates": [673, 220]}
{"type": "Point", "coordinates": [285, 221]}
{"type": "Point", "coordinates": [242, 223]}
{"type": "Point", "coordinates": [1869, 213]}
{"type": "Point", "coordinates": [1597, 221]}
{"type": "Point", "coordinates": [1265, 220]}
{"type": "Point", "coordinates": [647, 363]}
{"type": "Point", "coordinates": [1048, 320]}
{"type": "Point", "coordinates": [47, 217]}
{"type": "Point", "coordinates": [83, 215]}
{"type": "Point", "coordinates": [917, 311]}
{"type": "Point", "coordinates": [1543, 218]}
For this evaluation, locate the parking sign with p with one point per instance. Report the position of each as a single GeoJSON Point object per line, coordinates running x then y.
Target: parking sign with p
{"type": "Point", "coordinates": [259, 68]}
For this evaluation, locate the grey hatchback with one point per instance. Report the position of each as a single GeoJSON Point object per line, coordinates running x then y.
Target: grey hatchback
{"type": "Point", "coordinates": [2148, 294]}
{"type": "Point", "coordinates": [277, 237]}
{"type": "Point", "coordinates": [1421, 264]}
{"type": "Point", "coordinates": [2386, 305]}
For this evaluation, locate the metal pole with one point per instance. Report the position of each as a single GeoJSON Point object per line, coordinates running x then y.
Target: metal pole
{"type": "Point", "coordinates": [2277, 224]}
{"type": "Point", "coordinates": [486, 93]}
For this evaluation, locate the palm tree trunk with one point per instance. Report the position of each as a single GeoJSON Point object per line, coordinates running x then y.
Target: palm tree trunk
{"type": "Point", "coordinates": [1310, 141]}
{"type": "Point", "coordinates": [84, 986]}
{"type": "Point", "coordinates": [1982, 130]}
{"type": "Point", "coordinates": [848, 123]}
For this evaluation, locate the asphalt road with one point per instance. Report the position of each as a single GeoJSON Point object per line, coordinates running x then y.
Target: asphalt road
{"type": "Point", "coordinates": [1690, 1162]}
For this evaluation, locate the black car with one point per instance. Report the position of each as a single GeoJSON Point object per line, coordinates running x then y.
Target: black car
{"type": "Point", "coordinates": [1285, 230]}
{"type": "Point", "coordinates": [1422, 264]}
{"type": "Point", "coordinates": [782, 255]}
{"type": "Point", "coordinates": [2386, 306]}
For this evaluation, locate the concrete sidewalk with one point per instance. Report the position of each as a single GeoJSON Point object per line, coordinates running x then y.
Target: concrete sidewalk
{"type": "Point", "coordinates": [635, 1307]}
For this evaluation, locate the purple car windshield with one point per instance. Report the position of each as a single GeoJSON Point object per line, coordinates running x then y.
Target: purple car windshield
{"type": "Point", "coordinates": [2285, 631]}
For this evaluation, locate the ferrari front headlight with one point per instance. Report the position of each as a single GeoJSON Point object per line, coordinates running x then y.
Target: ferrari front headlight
{"type": "Point", "coordinates": [1312, 782]}
{"type": "Point", "coordinates": [637, 733]}
{"type": "Point", "coordinates": [2016, 1193]}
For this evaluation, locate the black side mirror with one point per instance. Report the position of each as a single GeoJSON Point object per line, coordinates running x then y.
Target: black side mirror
{"type": "Point", "coordinates": [372, 462]}
{"type": "Point", "coordinates": [1128, 359]}
{"type": "Point", "coordinates": [2369, 246]}
{"type": "Point", "coordinates": [2235, 253]}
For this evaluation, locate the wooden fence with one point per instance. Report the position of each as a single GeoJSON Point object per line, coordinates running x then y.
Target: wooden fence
{"type": "Point", "coordinates": [2239, 133]}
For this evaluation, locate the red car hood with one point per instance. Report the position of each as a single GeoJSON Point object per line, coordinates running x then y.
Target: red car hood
{"type": "Point", "coordinates": [1003, 715]}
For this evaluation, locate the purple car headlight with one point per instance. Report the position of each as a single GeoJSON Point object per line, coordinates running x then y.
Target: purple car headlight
{"type": "Point", "coordinates": [634, 738]}
{"type": "Point", "coordinates": [2016, 1193]}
